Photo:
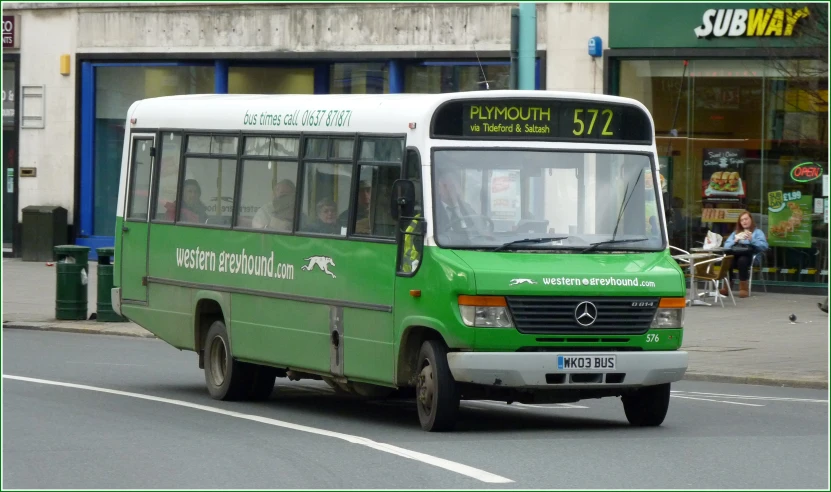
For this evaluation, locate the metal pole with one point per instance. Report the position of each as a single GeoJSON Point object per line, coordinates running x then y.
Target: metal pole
{"type": "Point", "coordinates": [527, 45]}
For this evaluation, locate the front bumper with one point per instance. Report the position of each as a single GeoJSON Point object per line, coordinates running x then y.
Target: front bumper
{"type": "Point", "coordinates": [539, 369]}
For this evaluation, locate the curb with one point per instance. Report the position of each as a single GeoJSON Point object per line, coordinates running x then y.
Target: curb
{"type": "Point", "coordinates": [74, 329]}
{"type": "Point", "coordinates": [757, 380]}
{"type": "Point", "coordinates": [695, 376]}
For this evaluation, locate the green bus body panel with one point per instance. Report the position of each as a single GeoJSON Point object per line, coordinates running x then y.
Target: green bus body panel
{"type": "Point", "coordinates": [627, 274]}
{"type": "Point", "coordinates": [134, 246]}
{"type": "Point", "coordinates": [280, 312]}
{"type": "Point", "coordinates": [291, 332]}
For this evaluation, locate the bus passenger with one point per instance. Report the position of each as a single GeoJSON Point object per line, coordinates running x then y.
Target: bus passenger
{"type": "Point", "coordinates": [278, 214]}
{"type": "Point", "coordinates": [364, 200]}
{"type": "Point", "coordinates": [326, 221]}
{"type": "Point", "coordinates": [192, 210]}
{"type": "Point", "coordinates": [451, 208]}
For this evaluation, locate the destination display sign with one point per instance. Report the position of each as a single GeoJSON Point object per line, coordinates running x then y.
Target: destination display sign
{"type": "Point", "coordinates": [543, 119]}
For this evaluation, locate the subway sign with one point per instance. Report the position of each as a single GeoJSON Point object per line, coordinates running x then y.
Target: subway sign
{"type": "Point", "coordinates": [805, 172]}
{"type": "Point", "coordinates": [717, 23]}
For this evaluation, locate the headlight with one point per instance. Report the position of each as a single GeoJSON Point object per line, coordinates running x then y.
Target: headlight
{"type": "Point", "coordinates": [668, 318]}
{"type": "Point", "coordinates": [485, 312]}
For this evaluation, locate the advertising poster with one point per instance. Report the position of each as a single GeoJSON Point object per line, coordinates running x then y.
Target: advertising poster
{"type": "Point", "coordinates": [721, 176]}
{"type": "Point", "coordinates": [505, 195]}
{"type": "Point", "coordinates": [789, 219]}
{"type": "Point", "coordinates": [730, 215]}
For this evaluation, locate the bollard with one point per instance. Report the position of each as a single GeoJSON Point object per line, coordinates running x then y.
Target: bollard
{"type": "Point", "coordinates": [72, 278]}
{"type": "Point", "coordinates": [105, 285]}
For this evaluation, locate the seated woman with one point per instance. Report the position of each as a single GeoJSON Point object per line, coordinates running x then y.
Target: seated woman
{"type": "Point", "coordinates": [743, 243]}
{"type": "Point", "coordinates": [193, 210]}
{"type": "Point", "coordinates": [327, 218]}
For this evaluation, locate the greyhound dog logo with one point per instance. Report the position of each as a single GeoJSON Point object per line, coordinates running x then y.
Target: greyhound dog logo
{"type": "Point", "coordinates": [518, 281]}
{"type": "Point", "coordinates": [322, 262]}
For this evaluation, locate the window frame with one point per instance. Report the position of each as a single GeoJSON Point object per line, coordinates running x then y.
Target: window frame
{"type": "Point", "coordinates": [242, 158]}
{"type": "Point", "coordinates": [200, 155]}
{"type": "Point", "coordinates": [128, 200]}
{"type": "Point", "coordinates": [156, 175]}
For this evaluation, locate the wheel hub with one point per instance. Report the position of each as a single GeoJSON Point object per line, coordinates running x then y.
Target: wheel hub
{"type": "Point", "coordinates": [426, 387]}
{"type": "Point", "coordinates": [219, 361]}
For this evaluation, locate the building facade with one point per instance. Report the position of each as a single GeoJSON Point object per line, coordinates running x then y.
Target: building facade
{"type": "Point", "coordinates": [739, 94]}
{"type": "Point", "coordinates": [66, 149]}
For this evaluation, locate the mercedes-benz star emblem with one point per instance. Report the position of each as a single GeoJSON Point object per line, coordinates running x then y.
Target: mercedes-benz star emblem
{"type": "Point", "coordinates": [585, 313]}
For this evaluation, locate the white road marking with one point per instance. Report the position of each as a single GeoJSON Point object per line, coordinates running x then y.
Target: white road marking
{"type": "Point", "coordinates": [459, 468]}
{"type": "Point", "coordinates": [103, 363]}
{"type": "Point", "coordinates": [717, 401]}
{"type": "Point", "coordinates": [748, 397]}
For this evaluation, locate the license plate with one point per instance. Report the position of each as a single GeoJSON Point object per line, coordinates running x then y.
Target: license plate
{"type": "Point", "coordinates": [585, 362]}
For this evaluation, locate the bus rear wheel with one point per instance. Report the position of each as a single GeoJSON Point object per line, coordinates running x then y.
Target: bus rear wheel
{"type": "Point", "coordinates": [226, 378]}
{"type": "Point", "coordinates": [437, 396]}
{"type": "Point", "coordinates": [647, 406]}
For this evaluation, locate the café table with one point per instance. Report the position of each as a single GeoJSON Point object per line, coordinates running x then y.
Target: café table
{"type": "Point", "coordinates": [699, 256]}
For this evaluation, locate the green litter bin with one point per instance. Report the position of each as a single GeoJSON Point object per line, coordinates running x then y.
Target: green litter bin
{"type": "Point", "coordinates": [72, 278]}
{"type": "Point", "coordinates": [105, 285]}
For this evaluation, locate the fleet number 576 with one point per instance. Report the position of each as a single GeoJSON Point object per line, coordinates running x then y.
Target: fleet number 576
{"type": "Point", "coordinates": [652, 337]}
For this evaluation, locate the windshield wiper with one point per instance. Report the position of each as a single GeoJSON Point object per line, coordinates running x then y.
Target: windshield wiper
{"type": "Point", "coordinates": [535, 240]}
{"type": "Point", "coordinates": [623, 203]}
{"type": "Point", "coordinates": [593, 246]}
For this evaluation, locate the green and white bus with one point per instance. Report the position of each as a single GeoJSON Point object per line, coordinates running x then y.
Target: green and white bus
{"type": "Point", "coordinates": [496, 245]}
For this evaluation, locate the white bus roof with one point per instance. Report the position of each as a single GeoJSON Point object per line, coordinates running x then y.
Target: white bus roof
{"type": "Point", "coordinates": [366, 113]}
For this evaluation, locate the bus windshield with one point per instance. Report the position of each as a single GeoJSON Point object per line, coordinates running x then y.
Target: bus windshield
{"type": "Point", "coordinates": [544, 200]}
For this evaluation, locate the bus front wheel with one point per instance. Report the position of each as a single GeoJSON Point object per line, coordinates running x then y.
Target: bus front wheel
{"type": "Point", "coordinates": [647, 406]}
{"type": "Point", "coordinates": [437, 396]}
{"type": "Point", "coordinates": [226, 378]}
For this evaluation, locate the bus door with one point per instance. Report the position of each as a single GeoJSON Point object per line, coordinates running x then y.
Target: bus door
{"type": "Point", "coordinates": [134, 227]}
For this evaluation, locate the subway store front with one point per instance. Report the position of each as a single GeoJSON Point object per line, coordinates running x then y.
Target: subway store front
{"type": "Point", "coordinates": [739, 95]}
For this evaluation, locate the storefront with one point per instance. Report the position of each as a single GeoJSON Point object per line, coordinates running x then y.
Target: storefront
{"type": "Point", "coordinates": [11, 88]}
{"type": "Point", "coordinates": [110, 84]}
{"type": "Point", "coordinates": [739, 95]}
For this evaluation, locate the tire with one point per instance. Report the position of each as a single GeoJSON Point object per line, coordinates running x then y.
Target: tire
{"type": "Point", "coordinates": [647, 406]}
{"type": "Point", "coordinates": [226, 378]}
{"type": "Point", "coordinates": [261, 381]}
{"type": "Point", "coordinates": [437, 397]}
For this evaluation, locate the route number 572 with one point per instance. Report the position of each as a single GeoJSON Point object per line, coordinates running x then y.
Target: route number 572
{"type": "Point", "coordinates": [590, 116]}
{"type": "Point", "coordinates": [652, 337]}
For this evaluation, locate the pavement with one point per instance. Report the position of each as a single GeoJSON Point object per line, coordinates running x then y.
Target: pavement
{"type": "Point", "coordinates": [753, 342]}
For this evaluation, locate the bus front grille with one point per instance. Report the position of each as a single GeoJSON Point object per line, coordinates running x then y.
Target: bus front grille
{"type": "Point", "coordinates": [549, 315]}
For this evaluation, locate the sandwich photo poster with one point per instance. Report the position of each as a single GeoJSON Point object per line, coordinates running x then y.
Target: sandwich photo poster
{"type": "Point", "coordinates": [721, 177]}
{"type": "Point", "coordinates": [789, 219]}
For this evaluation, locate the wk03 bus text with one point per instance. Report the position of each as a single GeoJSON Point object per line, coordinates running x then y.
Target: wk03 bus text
{"type": "Point", "coordinates": [504, 245]}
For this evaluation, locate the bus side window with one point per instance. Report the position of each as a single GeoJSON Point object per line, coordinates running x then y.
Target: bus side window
{"type": "Point", "coordinates": [267, 191]}
{"type": "Point", "coordinates": [168, 177]}
{"type": "Point", "coordinates": [140, 168]}
{"type": "Point", "coordinates": [325, 194]}
{"type": "Point", "coordinates": [412, 231]}
{"type": "Point", "coordinates": [413, 173]}
{"type": "Point", "coordinates": [379, 164]}
{"type": "Point", "coordinates": [208, 191]}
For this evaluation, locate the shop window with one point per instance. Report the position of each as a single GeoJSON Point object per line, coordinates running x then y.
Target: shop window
{"type": "Point", "coordinates": [359, 78]}
{"type": "Point", "coordinates": [270, 80]}
{"type": "Point", "coordinates": [758, 119]}
{"type": "Point", "coordinates": [116, 88]}
{"type": "Point", "coordinates": [434, 79]}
